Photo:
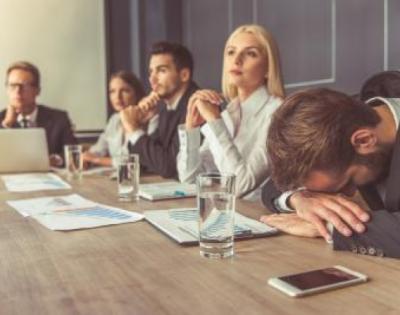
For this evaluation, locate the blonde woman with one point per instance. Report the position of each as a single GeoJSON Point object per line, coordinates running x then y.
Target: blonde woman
{"type": "Point", "coordinates": [235, 139]}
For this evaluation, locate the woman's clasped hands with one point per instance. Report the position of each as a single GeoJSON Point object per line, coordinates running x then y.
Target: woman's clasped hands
{"type": "Point", "coordinates": [203, 106]}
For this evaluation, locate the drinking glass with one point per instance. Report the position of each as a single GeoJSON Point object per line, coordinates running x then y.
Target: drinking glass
{"type": "Point", "coordinates": [128, 171]}
{"type": "Point", "coordinates": [216, 205]}
{"type": "Point", "coordinates": [73, 161]}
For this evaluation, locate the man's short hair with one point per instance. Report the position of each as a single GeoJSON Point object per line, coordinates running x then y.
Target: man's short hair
{"type": "Point", "coordinates": [311, 131]}
{"type": "Point", "coordinates": [26, 66]}
{"type": "Point", "coordinates": [180, 54]}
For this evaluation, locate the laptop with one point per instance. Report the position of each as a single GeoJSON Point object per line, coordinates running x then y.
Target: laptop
{"type": "Point", "coordinates": [23, 150]}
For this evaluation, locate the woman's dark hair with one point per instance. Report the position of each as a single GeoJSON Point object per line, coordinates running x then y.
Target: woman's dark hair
{"type": "Point", "coordinates": [132, 80]}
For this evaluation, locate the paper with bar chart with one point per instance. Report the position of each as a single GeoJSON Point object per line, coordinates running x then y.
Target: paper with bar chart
{"type": "Point", "coordinates": [182, 225]}
{"type": "Point", "coordinates": [72, 212]}
{"type": "Point", "coordinates": [33, 182]}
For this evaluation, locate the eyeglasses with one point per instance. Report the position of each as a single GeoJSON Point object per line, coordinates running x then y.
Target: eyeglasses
{"type": "Point", "coordinates": [22, 86]}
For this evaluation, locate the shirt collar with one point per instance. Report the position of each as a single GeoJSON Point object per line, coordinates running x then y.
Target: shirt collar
{"type": "Point", "coordinates": [31, 118]}
{"type": "Point", "coordinates": [253, 104]}
{"type": "Point", "coordinates": [174, 105]}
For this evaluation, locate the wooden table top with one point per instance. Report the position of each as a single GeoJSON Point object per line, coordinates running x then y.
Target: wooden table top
{"type": "Point", "coordinates": [135, 269]}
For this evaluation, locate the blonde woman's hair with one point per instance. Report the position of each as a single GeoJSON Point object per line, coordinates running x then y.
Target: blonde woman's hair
{"type": "Point", "coordinates": [273, 77]}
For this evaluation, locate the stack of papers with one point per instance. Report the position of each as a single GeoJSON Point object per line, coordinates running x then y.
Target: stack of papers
{"type": "Point", "coordinates": [166, 190]}
{"type": "Point", "coordinates": [72, 212]}
{"type": "Point", "coordinates": [34, 182]}
{"type": "Point", "coordinates": [182, 225]}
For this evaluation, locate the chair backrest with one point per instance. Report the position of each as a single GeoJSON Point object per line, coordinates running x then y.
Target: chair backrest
{"type": "Point", "coordinates": [383, 84]}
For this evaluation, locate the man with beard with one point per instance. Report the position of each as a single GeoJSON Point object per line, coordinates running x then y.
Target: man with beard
{"type": "Point", "coordinates": [324, 146]}
{"type": "Point", "coordinates": [170, 76]}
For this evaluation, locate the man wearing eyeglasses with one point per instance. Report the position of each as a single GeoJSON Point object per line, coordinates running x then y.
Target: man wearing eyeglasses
{"type": "Point", "coordinates": [23, 86]}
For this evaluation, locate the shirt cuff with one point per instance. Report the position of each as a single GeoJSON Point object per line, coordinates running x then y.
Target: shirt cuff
{"type": "Point", "coordinates": [329, 227]}
{"type": "Point", "coordinates": [189, 139]}
{"type": "Point", "coordinates": [134, 136]}
{"type": "Point", "coordinates": [281, 202]}
{"type": "Point", "coordinates": [215, 127]}
{"type": "Point", "coordinates": [114, 161]}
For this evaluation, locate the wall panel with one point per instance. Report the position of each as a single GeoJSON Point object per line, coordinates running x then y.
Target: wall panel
{"type": "Point", "coordinates": [393, 35]}
{"type": "Point", "coordinates": [205, 29]}
{"type": "Point", "coordinates": [329, 43]}
{"type": "Point", "coordinates": [305, 37]}
{"type": "Point", "coordinates": [66, 40]}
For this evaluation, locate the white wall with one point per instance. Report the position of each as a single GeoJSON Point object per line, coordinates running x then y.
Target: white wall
{"type": "Point", "coordinates": [66, 40]}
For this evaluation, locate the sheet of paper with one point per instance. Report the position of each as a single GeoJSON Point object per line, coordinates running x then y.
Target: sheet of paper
{"type": "Point", "coordinates": [187, 220]}
{"type": "Point", "coordinates": [34, 182]}
{"type": "Point", "coordinates": [72, 212]}
{"type": "Point", "coordinates": [182, 225]}
{"type": "Point", "coordinates": [29, 207]}
{"type": "Point", "coordinates": [166, 190]}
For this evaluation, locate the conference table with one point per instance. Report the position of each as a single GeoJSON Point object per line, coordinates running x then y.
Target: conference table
{"type": "Point", "coordinates": [135, 269]}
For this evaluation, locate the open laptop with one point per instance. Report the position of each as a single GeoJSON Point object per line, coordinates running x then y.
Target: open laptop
{"type": "Point", "coordinates": [23, 150]}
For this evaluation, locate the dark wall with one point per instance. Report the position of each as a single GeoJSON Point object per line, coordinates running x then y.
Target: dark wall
{"type": "Point", "coordinates": [133, 25]}
{"type": "Point", "coordinates": [330, 43]}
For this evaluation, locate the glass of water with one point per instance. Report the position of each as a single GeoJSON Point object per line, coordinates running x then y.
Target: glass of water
{"type": "Point", "coordinates": [216, 205]}
{"type": "Point", "coordinates": [73, 161]}
{"type": "Point", "coordinates": [128, 171]}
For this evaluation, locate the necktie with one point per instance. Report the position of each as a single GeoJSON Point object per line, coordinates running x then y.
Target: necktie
{"type": "Point", "coordinates": [25, 123]}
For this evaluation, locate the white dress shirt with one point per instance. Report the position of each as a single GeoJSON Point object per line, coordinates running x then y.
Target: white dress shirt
{"type": "Point", "coordinates": [112, 141]}
{"type": "Point", "coordinates": [30, 119]}
{"type": "Point", "coordinates": [235, 143]}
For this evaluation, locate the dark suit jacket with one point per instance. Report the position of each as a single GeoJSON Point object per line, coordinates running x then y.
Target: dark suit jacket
{"type": "Point", "coordinates": [56, 125]}
{"type": "Point", "coordinates": [383, 230]}
{"type": "Point", "coordinates": [159, 150]}
{"type": "Point", "coordinates": [382, 237]}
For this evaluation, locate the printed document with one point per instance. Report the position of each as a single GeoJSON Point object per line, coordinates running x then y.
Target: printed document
{"type": "Point", "coordinates": [72, 212]}
{"type": "Point", "coordinates": [166, 190]}
{"type": "Point", "coordinates": [182, 225]}
{"type": "Point", "coordinates": [34, 182]}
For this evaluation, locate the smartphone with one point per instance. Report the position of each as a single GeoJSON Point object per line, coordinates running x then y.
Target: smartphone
{"type": "Point", "coordinates": [316, 281]}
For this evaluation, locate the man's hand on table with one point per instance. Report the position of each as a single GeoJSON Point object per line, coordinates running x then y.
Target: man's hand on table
{"type": "Point", "coordinates": [291, 223]}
